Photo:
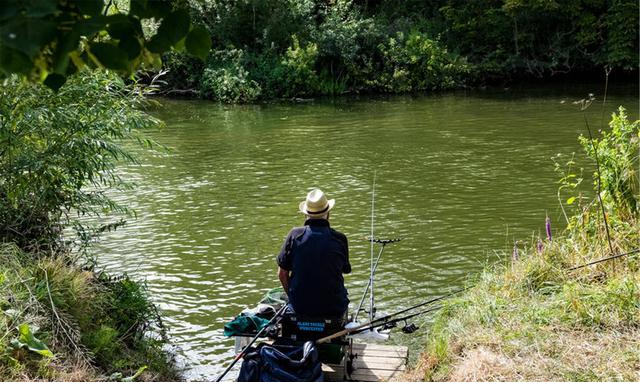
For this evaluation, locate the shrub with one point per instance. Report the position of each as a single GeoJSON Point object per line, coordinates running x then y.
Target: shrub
{"type": "Point", "coordinates": [79, 316]}
{"type": "Point", "coordinates": [346, 43]}
{"type": "Point", "coordinates": [184, 70]}
{"type": "Point", "coordinates": [297, 73]}
{"type": "Point", "coordinates": [618, 155]}
{"type": "Point", "coordinates": [226, 80]}
{"type": "Point", "coordinates": [58, 153]}
{"type": "Point", "coordinates": [417, 63]}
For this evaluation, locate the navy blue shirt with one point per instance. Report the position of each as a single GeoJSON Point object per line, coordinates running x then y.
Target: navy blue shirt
{"type": "Point", "coordinates": [317, 256]}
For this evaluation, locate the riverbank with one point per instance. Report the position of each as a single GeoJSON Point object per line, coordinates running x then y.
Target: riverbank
{"type": "Point", "coordinates": [62, 322]}
{"type": "Point", "coordinates": [543, 316]}
{"type": "Point", "coordinates": [268, 50]}
{"type": "Point", "coordinates": [61, 317]}
{"type": "Point", "coordinates": [534, 320]}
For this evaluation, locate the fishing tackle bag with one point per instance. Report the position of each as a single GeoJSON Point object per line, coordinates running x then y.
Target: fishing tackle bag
{"type": "Point", "coordinates": [282, 364]}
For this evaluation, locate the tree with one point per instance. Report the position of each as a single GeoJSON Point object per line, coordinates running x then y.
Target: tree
{"type": "Point", "coordinates": [47, 40]}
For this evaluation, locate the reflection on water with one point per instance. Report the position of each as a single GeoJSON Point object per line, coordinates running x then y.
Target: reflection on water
{"type": "Point", "coordinates": [459, 177]}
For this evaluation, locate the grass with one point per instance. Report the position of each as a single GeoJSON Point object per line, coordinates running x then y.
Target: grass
{"type": "Point", "coordinates": [533, 320]}
{"type": "Point", "coordinates": [536, 319]}
{"type": "Point", "coordinates": [60, 322]}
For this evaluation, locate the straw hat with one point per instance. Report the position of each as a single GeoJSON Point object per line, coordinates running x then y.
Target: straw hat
{"type": "Point", "coordinates": [316, 203]}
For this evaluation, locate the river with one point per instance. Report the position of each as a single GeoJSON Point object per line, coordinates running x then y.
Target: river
{"type": "Point", "coordinates": [460, 176]}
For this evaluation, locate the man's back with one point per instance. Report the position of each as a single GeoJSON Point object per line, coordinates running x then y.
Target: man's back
{"type": "Point", "coordinates": [317, 256]}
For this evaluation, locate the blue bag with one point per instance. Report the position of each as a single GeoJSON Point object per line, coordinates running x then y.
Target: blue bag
{"type": "Point", "coordinates": [272, 364]}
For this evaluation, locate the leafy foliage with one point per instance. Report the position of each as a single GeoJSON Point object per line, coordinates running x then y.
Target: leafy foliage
{"type": "Point", "coordinates": [416, 63]}
{"type": "Point", "coordinates": [105, 323]}
{"type": "Point", "coordinates": [351, 46]}
{"type": "Point", "coordinates": [226, 80]}
{"type": "Point", "coordinates": [59, 150]}
{"type": "Point", "coordinates": [618, 152]}
{"type": "Point", "coordinates": [541, 38]}
{"type": "Point", "coordinates": [27, 339]}
{"type": "Point", "coordinates": [295, 74]}
{"type": "Point", "coordinates": [51, 39]}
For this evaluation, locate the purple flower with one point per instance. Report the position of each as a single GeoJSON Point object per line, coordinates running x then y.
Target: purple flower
{"type": "Point", "coordinates": [548, 228]}
{"type": "Point", "coordinates": [540, 246]}
{"type": "Point", "coordinates": [515, 254]}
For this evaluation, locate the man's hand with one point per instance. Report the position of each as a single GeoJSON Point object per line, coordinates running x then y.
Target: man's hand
{"type": "Point", "coordinates": [283, 275]}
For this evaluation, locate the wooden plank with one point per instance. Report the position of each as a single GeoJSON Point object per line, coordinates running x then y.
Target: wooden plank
{"type": "Point", "coordinates": [374, 363]}
{"type": "Point", "coordinates": [359, 345]}
{"type": "Point", "coordinates": [373, 375]}
{"type": "Point", "coordinates": [379, 365]}
{"type": "Point", "coordinates": [333, 372]}
{"type": "Point", "coordinates": [381, 353]}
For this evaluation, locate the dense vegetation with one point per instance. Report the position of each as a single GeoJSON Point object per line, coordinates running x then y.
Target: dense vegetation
{"type": "Point", "coordinates": [269, 48]}
{"type": "Point", "coordinates": [61, 318]}
{"type": "Point", "coordinates": [539, 319]}
{"type": "Point", "coordinates": [48, 40]}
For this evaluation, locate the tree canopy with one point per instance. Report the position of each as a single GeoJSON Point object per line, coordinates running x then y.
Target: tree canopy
{"type": "Point", "coordinates": [47, 40]}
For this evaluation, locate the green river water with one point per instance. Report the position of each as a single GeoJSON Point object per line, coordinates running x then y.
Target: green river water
{"type": "Point", "coordinates": [460, 176]}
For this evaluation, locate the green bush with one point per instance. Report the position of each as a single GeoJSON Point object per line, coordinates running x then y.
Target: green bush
{"type": "Point", "coordinates": [98, 320]}
{"type": "Point", "coordinates": [618, 156]}
{"type": "Point", "coordinates": [226, 80]}
{"type": "Point", "coordinates": [58, 153]}
{"type": "Point", "coordinates": [347, 43]}
{"type": "Point", "coordinates": [184, 71]}
{"type": "Point", "coordinates": [296, 72]}
{"type": "Point", "coordinates": [418, 63]}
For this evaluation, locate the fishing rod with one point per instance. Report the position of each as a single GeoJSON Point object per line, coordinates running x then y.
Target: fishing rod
{"type": "Point", "coordinates": [244, 351]}
{"type": "Point", "coordinates": [386, 318]}
{"type": "Point", "coordinates": [374, 264]}
{"type": "Point", "coordinates": [606, 259]}
{"type": "Point", "coordinates": [371, 300]}
{"type": "Point", "coordinates": [409, 328]}
{"type": "Point", "coordinates": [384, 242]}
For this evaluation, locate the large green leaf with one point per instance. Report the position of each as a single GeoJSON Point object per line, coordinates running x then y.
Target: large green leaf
{"type": "Point", "coordinates": [174, 26]}
{"type": "Point", "coordinates": [131, 45]}
{"type": "Point", "coordinates": [13, 61]}
{"type": "Point", "coordinates": [90, 7]}
{"type": "Point", "coordinates": [158, 44]}
{"type": "Point", "coordinates": [27, 35]}
{"type": "Point", "coordinates": [40, 8]}
{"type": "Point", "coordinates": [159, 9]}
{"type": "Point", "coordinates": [138, 7]}
{"type": "Point", "coordinates": [26, 339]}
{"type": "Point", "coordinates": [111, 56]}
{"type": "Point", "coordinates": [120, 26]}
{"type": "Point", "coordinates": [198, 42]}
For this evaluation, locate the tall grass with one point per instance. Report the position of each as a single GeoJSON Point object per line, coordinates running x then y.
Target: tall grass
{"type": "Point", "coordinates": [535, 318]}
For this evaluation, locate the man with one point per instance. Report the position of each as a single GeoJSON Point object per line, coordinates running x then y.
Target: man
{"type": "Point", "coordinates": [312, 261]}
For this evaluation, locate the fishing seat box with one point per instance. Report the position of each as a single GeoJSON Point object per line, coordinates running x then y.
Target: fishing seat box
{"type": "Point", "coordinates": [299, 329]}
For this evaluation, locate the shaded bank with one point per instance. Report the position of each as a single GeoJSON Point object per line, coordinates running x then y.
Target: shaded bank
{"type": "Point", "coordinates": [268, 49]}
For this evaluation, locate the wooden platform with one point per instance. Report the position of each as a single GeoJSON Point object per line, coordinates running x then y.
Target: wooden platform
{"type": "Point", "coordinates": [373, 363]}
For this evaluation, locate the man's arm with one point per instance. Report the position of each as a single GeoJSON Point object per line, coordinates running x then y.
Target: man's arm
{"type": "Point", "coordinates": [283, 275]}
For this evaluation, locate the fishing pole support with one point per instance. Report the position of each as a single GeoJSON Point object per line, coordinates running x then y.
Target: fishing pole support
{"type": "Point", "coordinates": [384, 241]}
{"type": "Point", "coordinates": [374, 267]}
